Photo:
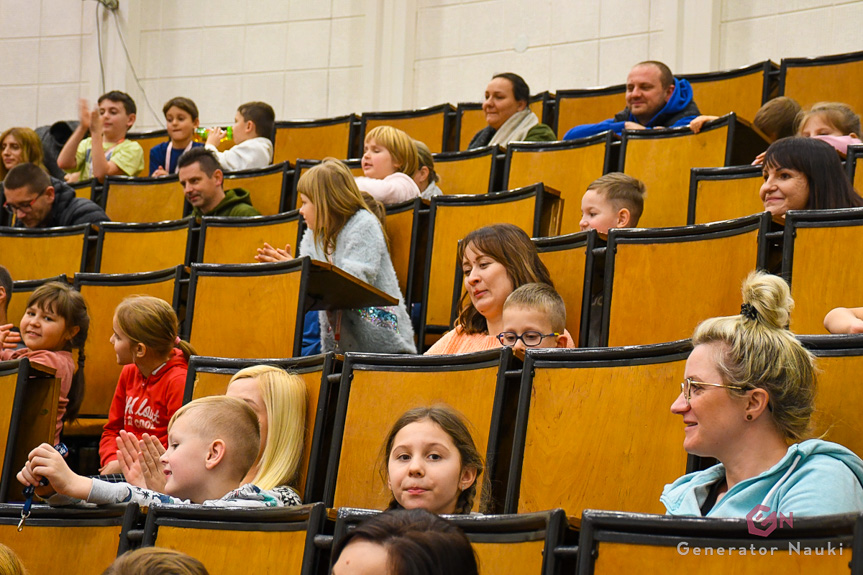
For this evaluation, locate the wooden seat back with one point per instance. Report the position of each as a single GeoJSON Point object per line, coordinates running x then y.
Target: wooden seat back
{"type": "Point", "coordinates": [824, 79]}
{"type": "Point", "coordinates": [314, 139]}
{"type": "Point", "coordinates": [428, 125]}
{"type": "Point", "coordinates": [717, 194]}
{"type": "Point", "coordinates": [31, 254]}
{"type": "Point", "coordinates": [468, 172]}
{"type": "Point", "coordinates": [141, 200]}
{"type": "Point", "coordinates": [268, 187]}
{"type": "Point", "coordinates": [854, 164]}
{"type": "Point", "coordinates": [587, 106]}
{"type": "Point", "coordinates": [303, 165]}
{"type": "Point", "coordinates": [132, 248]}
{"type": "Point", "coordinates": [234, 240]}
{"type": "Point", "coordinates": [403, 230]}
{"type": "Point", "coordinates": [741, 91]}
{"type": "Point", "coordinates": [148, 141]}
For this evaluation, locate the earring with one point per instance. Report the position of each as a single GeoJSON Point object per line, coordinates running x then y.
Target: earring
{"type": "Point", "coordinates": [749, 417]}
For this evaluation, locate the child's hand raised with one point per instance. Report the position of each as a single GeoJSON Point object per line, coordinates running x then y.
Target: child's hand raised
{"type": "Point", "coordinates": [215, 136]}
{"type": "Point", "coordinates": [84, 114]}
{"type": "Point", "coordinates": [128, 452]}
{"type": "Point", "coordinates": [45, 461]}
{"type": "Point", "coordinates": [95, 122]}
{"type": "Point", "coordinates": [268, 254]}
{"type": "Point", "coordinates": [151, 464]}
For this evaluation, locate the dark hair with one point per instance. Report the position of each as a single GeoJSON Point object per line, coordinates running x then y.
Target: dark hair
{"type": "Point", "coordinates": [455, 425]}
{"type": "Point", "coordinates": [27, 175]}
{"type": "Point", "coordinates": [70, 305]}
{"type": "Point", "coordinates": [6, 284]}
{"type": "Point", "coordinates": [666, 78]}
{"type": "Point", "coordinates": [829, 186]}
{"type": "Point", "coordinates": [519, 87]}
{"type": "Point", "coordinates": [509, 245]}
{"type": "Point", "coordinates": [121, 97]}
{"type": "Point", "coordinates": [262, 115]}
{"type": "Point", "coordinates": [204, 157]}
{"type": "Point", "coordinates": [155, 561]}
{"type": "Point", "coordinates": [417, 543]}
{"type": "Point", "coordinates": [182, 103]}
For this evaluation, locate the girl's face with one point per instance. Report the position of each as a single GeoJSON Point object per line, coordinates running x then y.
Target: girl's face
{"type": "Point", "coordinates": [486, 281]}
{"type": "Point", "coordinates": [249, 390]}
{"type": "Point", "coordinates": [43, 329]}
{"type": "Point", "coordinates": [818, 125]}
{"type": "Point", "coordinates": [180, 125]}
{"type": "Point", "coordinates": [378, 163]}
{"type": "Point", "coordinates": [309, 212]}
{"type": "Point", "coordinates": [784, 189]}
{"type": "Point", "coordinates": [123, 346]}
{"type": "Point", "coordinates": [425, 470]}
{"type": "Point", "coordinates": [11, 152]}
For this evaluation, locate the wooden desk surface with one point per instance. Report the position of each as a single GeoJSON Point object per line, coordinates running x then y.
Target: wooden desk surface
{"type": "Point", "coordinates": [330, 288]}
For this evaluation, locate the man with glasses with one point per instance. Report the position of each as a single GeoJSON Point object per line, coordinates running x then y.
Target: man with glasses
{"type": "Point", "coordinates": [39, 201]}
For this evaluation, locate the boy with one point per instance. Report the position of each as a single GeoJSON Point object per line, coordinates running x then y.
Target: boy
{"type": "Point", "coordinates": [108, 124]}
{"type": "Point", "coordinates": [534, 316]}
{"type": "Point", "coordinates": [254, 123]}
{"type": "Point", "coordinates": [212, 444]}
{"type": "Point", "coordinates": [613, 201]}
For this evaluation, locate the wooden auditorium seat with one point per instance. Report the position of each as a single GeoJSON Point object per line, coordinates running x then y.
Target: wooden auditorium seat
{"type": "Point", "coordinates": [826, 79]}
{"type": "Point", "coordinates": [430, 125]}
{"type": "Point", "coordinates": [269, 188]}
{"type": "Point", "coordinates": [130, 248]}
{"type": "Point", "coordinates": [467, 172]}
{"type": "Point", "coordinates": [587, 106]}
{"type": "Point", "coordinates": [853, 164]}
{"type": "Point", "coordinates": [406, 221]}
{"type": "Point", "coordinates": [717, 194]}
{"type": "Point", "coordinates": [742, 90]}
{"type": "Point", "coordinates": [314, 139]}
{"type": "Point", "coordinates": [36, 253]}
{"type": "Point", "coordinates": [148, 141]}
{"type": "Point", "coordinates": [141, 200]}
{"type": "Point", "coordinates": [235, 240]}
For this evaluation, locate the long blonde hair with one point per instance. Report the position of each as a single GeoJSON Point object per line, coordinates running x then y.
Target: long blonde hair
{"type": "Point", "coordinates": [285, 398]}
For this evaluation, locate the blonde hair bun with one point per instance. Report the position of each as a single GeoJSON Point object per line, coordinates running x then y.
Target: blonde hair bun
{"type": "Point", "coordinates": [771, 298]}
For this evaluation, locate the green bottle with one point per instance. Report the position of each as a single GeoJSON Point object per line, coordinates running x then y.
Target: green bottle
{"type": "Point", "coordinates": [202, 134]}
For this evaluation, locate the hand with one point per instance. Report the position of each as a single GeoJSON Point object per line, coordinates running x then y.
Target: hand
{"type": "Point", "coordinates": [84, 114]}
{"type": "Point", "coordinates": [150, 461]}
{"type": "Point", "coordinates": [45, 461]}
{"type": "Point", "coordinates": [268, 254]}
{"type": "Point", "coordinates": [6, 329]}
{"type": "Point", "coordinates": [633, 126]}
{"type": "Point", "coordinates": [111, 467]}
{"type": "Point", "coordinates": [13, 338]}
{"type": "Point", "coordinates": [95, 123]}
{"type": "Point", "coordinates": [697, 123]}
{"type": "Point", "coordinates": [856, 326]}
{"type": "Point", "coordinates": [72, 178]}
{"type": "Point", "coordinates": [215, 136]}
{"type": "Point", "coordinates": [159, 172]}
{"type": "Point", "coordinates": [128, 454]}
{"type": "Point", "coordinates": [759, 159]}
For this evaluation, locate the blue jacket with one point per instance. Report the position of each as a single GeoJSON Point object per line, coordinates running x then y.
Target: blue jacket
{"type": "Point", "coordinates": [679, 110]}
{"type": "Point", "coordinates": [814, 478]}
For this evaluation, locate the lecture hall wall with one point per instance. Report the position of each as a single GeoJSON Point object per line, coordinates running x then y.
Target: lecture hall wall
{"type": "Point", "coordinates": [321, 58]}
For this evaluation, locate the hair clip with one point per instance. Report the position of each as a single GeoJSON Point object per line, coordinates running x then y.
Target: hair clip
{"type": "Point", "coordinates": [749, 311]}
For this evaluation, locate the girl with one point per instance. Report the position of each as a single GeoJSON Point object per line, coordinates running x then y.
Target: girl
{"type": "Point", "coordinates": [55, 322]}
{"type": "Point", "coordinates": [342, 231]}
{"type": "Point", "coordinates": [834, 122]}
{"type": "Point", "coordinates": [181, 119]}
{"type": "Point", "coordinates": [153, 379]}
{"type": "Point", "coordinates": [429, 461]}
{"type": "Point", "coordinates": [389, 162]}
{"type": "Point", "coordinates": [425, 176]}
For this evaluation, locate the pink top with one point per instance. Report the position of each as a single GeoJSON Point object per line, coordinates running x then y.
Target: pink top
{"type": "Point", "coordinates": [841, 143]}
{"type": "Point", "coordinates": [393, 189]}
{"type": "Point", "coordinates": [456, 341]}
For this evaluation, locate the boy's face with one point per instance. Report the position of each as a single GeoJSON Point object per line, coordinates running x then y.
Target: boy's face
{"type": "Point", "coordinates": [185, 460]}
{"type": "Point", "coordinates": [180, 125]}
{"type": "Point", "coordinates": [243, 130]}
{"type": "Point", "coordinates": [115, 121]}
{"type": "Point", "coordinates": [597, 213]}
{"type": "Point", "coordinates": [521, 319]}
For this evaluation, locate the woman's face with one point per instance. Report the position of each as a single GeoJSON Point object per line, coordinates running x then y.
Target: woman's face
{"type": "Point", "coordinates": [784, 189]}
{"type": "Point", "coordinates": [500, 103]}
{"type": "Point", "coordinates": [487, 282]}
{"type": "Point", "coordinates": [11, 152]}
{"type": "Point", "coordinates": [249, 390]}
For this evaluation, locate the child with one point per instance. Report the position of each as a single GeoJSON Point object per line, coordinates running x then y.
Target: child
{"type": "Point", "coordinates": [389, 161]}
{"type": "Point", "coordinates": [55, 322]}
{"type": "Point", "coordinates": [425, 176]}
{"type": "Point", "coordinates": [181, 118]}
{"type": "Point", "coordinates": [212, 443]}
{"type": "Point", "coordinates": [613, 201]}
{"type": "Point", "coordinates": [429, 461]}
{"type": "Point", "coordinates": [776, 119]}
{"type": "Point", "coordinates": [834, 122]}
{"type": "Point", "coordinates": [534, 316]}
{"type": "Point", "coordinates": [155, 561]}
{"type": "Point", "coordinates": [108, 124]}
{"type": "Point", "coordinates": [254, 125]}
{"type": "Point", "coordinates": [153, 379]}
{"type": "Point", "coordinates": [343, 231]}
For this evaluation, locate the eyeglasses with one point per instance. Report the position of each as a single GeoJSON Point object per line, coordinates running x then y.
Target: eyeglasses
{"type": "Point", "coordinates": [530, 338]}
{"type": "Point", "coordinates": [23, 208]}
{"type": "Point", "coordinates": [686, 387]}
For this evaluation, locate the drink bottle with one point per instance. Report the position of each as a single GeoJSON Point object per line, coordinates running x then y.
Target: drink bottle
{"type": "Point", "coordinates": [202, 133]}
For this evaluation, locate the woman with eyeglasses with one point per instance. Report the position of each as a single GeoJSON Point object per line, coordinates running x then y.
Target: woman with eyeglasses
{"type": "Point", "coordinates": [495, 261]}
{"type": "Point", "coordinates": [747, 401]}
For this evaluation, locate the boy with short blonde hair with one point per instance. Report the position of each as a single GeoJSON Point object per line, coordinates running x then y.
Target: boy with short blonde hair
{"type": "Point", "coordinates": [534, 316]}
{"type": "Point", "coordinates": [212, 444]}
{"type": "Point", "coordinates": [613, 201]}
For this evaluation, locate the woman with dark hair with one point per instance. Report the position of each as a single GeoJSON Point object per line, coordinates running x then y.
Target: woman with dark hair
{"type": "Point", "coordinates": [805, 174]}
{"type": "Point", "coordinates": [405, 542]}
{"type": "Point", "coordinates": [508, 115]}
{"type": "Point", "coordinates": [495, 261]}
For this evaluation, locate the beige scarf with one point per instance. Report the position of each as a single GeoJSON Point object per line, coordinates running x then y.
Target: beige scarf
{"type": "Point", "coordinates": [515, 128]}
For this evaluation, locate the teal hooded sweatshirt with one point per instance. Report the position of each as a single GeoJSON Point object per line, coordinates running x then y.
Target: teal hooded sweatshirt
{"type": "Point", "coordinates": [814, 478]}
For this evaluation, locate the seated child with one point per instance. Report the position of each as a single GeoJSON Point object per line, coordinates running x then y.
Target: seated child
{"type": "Point", "coordinates": [212, 444]}
{"type": "Point", "coordinates": [776, 119]}
{"type": "Point", "coordinates": [431, 462]}
{"type": "Point", "coordinates": [254, 125]}
{"type": "Point", "coordinates": [614, 200]}
{"type": "Point", "coordinates": [389, 161]}
{"type": "Point", "coordinates": [108, 124]}
{"type": "Point", "coordinates": [834, 122]}
{"type": "Point", "coordinates": [425, 176]}
{"type": "Point", "coordinates": [153, 380]}
{"type": "Point", "coordinates": [844, 320]}
{"type": "Point", "coordinates": [13, 338]}
{"type": "Point", "coordinates": [155, 561]}
{"type": "Point", "coordinates": [534, 316]}
{"type": "Point", "coordinates": [181, 119]}
{"type": "Point", "coordinates": [55, 322]}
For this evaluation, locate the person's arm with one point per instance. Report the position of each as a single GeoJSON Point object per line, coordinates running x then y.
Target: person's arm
{"type": "Point", "coordinates": [66, 160]}
{"type": "Point", "coordinates": [101, 166]}
{"type": "Point", "coordinates": [268, 253]}
{"type": "Point", "coordinates": [254, 153]}
{"type": "Point", "coordinates": [360, 245]}
{"type": "Point", "coordinates": [46, 462]}
{"type": "Point", "coordinates": [844, 320]}
{"type": "Point", "coordinates": [697, 123]}
{"type": "Point", "coordinates": [127, 159]}
{"type": "Point", "coordinates": [393, 189]}
{"type": "Point", "coordinates": [116, 414]}
{"type": "Point", "coordinates": [585, 130]}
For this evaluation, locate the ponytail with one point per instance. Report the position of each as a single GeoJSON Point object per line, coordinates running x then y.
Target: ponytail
{"type": "Point", "coordinates": [186, 348]}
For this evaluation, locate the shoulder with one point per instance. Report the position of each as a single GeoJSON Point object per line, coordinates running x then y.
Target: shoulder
{"type": "Point", "coordinates": [540, 133]}
{"type": "Point", "coordinates": [159, 149]}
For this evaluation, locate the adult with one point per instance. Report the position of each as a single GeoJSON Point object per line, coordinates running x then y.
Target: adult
{"type": "Point", "coordinates": [405, 542]}
{"type": "Point", "coordinates": [18, 146]}
{"type": "Point", "coordinates": [747, 401]}
{"type": "Point", "coordinates": [508, 115]}
{"type": "Point", "coordinates": [39, 201]}
{"type": "Point", "coordinates": [654, 99]}
{"type": "Point", "coordinates": [202, 177]}
{"type": "Point", "coordinates": [495, 260]}
{"type": "Point", "coordinates": [804, 174]}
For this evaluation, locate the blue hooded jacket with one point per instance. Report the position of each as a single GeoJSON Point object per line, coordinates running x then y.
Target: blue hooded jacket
{"type": "Point", "coordinates": [814, 478]}
{"type": "Point", "coordinates": [679, 110]}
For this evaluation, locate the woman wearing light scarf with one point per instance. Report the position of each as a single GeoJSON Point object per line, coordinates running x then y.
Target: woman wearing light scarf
{"type": "Point", "coordinates": [508, 116]}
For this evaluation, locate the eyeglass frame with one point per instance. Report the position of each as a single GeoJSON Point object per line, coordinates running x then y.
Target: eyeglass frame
{"type": "Point", "coordinates": [12, 208]}
{"type": "Point", "coordinates": [687, 383]}
{"type": "Point", "coordinates": [521, 337]}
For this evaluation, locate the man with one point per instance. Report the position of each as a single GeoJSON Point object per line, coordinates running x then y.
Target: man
{"type": "Point", "coordinates": [201, 177]}
{"type": "Point", "coordinates": [654, 99]}
{"type": "Point", "coordinates": [39, 201]}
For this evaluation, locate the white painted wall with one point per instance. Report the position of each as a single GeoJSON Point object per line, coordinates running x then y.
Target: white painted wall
{"type": "Point", "coordinates": [320, 58]}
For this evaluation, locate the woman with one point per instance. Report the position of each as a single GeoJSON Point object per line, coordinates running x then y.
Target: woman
{"type": "Point", "coordinates": [804, 174]}
{"type": "Point", "coordinates": [19, 146]}
{"type": "Point", "coordinates": [747, 401]}
{"type": "Point", "coordinates": [508, 116]}
{"type": "Point", "coordinates": [495, 260]}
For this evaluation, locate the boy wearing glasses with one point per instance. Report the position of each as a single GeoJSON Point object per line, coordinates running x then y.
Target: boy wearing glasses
{"type": "Point", "coordinates": [39, 201]}
{"type": "Point", "coordinates": [534, 316]}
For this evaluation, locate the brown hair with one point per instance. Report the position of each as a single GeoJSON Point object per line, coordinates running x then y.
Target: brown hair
{"type": "Point", "coordinates": [29, 176]}
{"type": "Point", "coordinates": [510, 246]}
{"type": "Point", "coordinates": [426, 160]}
{"type": "Point", "coordinates": [778, 117]}
{"type": "Point", "coordinates": [623, 191]}
{"type": "Point", "coordinates": [840, 116]}
{"type": "Point", "coordinates": [666, 78]}
{"type": "Point", "coordinates": [155, 561]}
{"type": "Point", "coordinates": [400, 146]}
{"type": "Point", "coordinates": [153, 322]}
{"type": "Point", "coordinates": [262, 116]}
{"type": "Point", "coordinates": [31, 148]}
{"type": "Point", "coordinates": [182, 103]}
{"type": "Point", "coordinates": [542, 299]}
